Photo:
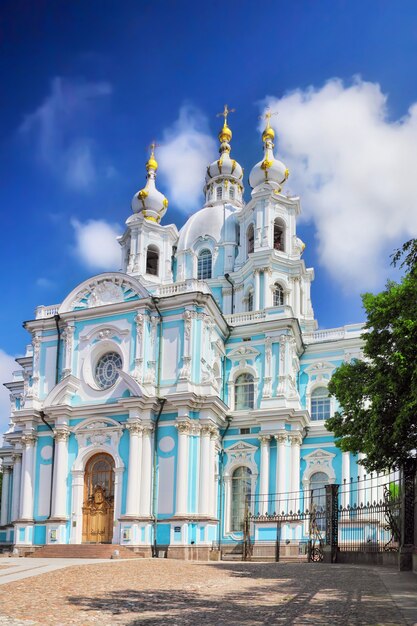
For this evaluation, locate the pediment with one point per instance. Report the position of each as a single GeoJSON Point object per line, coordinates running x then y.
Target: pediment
{"type": "Point", "coordinates": [320, 368]}
{"type": "Point", "coordinates": [243, 353]}
{"type": "Point", "coordinates": [63, 392]}
{"type": "Point", "coordinates": [319, 455]}
{"type": "Point", "coordinates": [102, 290]}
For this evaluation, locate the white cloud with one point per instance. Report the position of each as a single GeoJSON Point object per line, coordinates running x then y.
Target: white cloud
{"type": "Point", "coordinates": [7, 366]}
{"type": "Point", "coordinates": [56, 128]}
{"type": "Point", "coordinates": [44, 283]}
{"type": "Point", "coordinates": [96, 245]}
{"type": "Point", "coordinates": [186, 150]}
{"type": "Point", "coordinates": [355, 172]}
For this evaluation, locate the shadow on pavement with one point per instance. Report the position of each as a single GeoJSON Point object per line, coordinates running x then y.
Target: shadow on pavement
{"type": "Point", "coordinates": [314, 594]}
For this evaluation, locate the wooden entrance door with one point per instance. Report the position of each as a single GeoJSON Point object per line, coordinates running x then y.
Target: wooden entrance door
{"type": "Point", "coordinates": [98, 506]}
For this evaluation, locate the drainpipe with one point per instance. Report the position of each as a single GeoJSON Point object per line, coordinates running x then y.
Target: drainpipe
{"type": "Point", "coordinates": [227, 277]}
{"type": "Point", "coordinates": [155, 432]}
{"type": "Point", "coordinates": [42, 414]}
{"type": "Point", "coordinates": [221, 504]}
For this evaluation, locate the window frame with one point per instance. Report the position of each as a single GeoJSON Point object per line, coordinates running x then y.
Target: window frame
{"type": "Point", "coordinates": [204, 254]}
{"type": "Point", "coordinates": [247, 388]}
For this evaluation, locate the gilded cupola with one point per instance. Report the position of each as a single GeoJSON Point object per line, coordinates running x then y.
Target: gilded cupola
{"type": "Point", "coordinates": [149, 201]}
{"type": "Point", "coordinates": [270, 170]}
{"type": "Point", "coordinates": [224, 176]}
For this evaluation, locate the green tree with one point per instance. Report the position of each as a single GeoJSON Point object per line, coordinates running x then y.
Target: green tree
{"type": "Point", "coordinates": [378, 396]}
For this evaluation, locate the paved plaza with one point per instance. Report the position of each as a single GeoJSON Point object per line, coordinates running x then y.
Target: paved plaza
{"type": "Point", "coordinates": [156, 592]}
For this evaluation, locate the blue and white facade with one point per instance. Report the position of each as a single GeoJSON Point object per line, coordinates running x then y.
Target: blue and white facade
{"type": "Point", "coordinates": [194, 376]}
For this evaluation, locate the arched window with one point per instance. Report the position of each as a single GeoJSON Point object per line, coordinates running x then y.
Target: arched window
{"type": "Point", "coordinates": [279, 239]}
{"type": "Point", "coordinates": [244, 392]}
{"type": "Point", "coordinates": [219, 193]}
{"type": "Point", "coordinates": [320, 404]}
{"type": "Point", "coordinates": [250, 239]}
{"type": "Point", "coordinates": [250, 301]}
{"type": "Point", "coordinates": [278, 295]}
{"type": "Point", "coordinates": [152, 260]}
{"type": "Point", "coordinates": [241, 486]}
{"type": "Point", "coordinates": [204, 265]}
{"type": "Point", "coordinates": [318, 482]}
{"type": "Point", "coordinates": [231, 193]}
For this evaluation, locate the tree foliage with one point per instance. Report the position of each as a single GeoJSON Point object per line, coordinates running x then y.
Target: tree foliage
{"type": "Point", "coordinates": [378, 396]}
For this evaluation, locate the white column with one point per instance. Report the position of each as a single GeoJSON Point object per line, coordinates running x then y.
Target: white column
{"type": "Point", "coordinates": [212, 473]}
{"type": "Point", "coordinates": [17, 477]}
{"type": "Point", "coordinates": [139, 319]}
{"type": "Point", "coordinates": [59, 500]}
{"type": "Point", "coordinates": [29, 442]}
{"type": "Point", "coordinates": [264, 478]}
{"type": "Point", "coordinates": [77, 506]}
{"type": "Point", "coordinates": [296, 290]}
{"type": "Point", "coordinates": [134, 473]}
{"type": "Point", "coordinates": [256, 300]}
{"type": "Point", "coordinates": [182, 468]}
{"type": "Point", "coordinates": [68, 343]}
{"type": "Point", "coordinates": [203, 494]}
{"type": "Point", "coordinates": [296, 440]}
{"type": "Point", "coordinates": [362, 494]}
{"type": "Point", "coordinates": [185, 372]}
{"type": "Point", "coordinates": [345, 479]}
{"type": "Point", "coordinates": [4, 513]}
{"type": "Point", "coordinates": [118, 487]}
{"type": "Point", "coordinates": [281, 473]}
{"type": "Point", "coordinates": [267, 289]}
{"type": "Point", "coordinates": [146, 482]}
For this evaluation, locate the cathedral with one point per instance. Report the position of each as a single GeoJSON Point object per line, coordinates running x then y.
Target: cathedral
{"type": "Point", "coordinates": [152, 401]}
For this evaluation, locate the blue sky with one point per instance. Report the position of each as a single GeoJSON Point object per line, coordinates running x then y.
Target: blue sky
{"type": "Point", "coordinates": [88, 85]}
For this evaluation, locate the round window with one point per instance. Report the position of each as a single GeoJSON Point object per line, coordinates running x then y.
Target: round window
{"type": "Point", "coordinates": [107, 369]}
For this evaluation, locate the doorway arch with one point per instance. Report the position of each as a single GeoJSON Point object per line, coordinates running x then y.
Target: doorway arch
{"type": "Point", "coordinates": [98, 502]}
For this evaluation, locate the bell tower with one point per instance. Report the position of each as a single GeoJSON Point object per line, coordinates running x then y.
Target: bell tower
{"type": "Point", "coordinates": [147, 245]}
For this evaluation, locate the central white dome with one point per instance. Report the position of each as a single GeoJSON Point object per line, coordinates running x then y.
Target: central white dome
{"type": "Point", "coordinates": [216, 222]}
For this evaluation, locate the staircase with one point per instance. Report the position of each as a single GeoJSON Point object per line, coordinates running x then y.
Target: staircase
{"type": "Point", "coordinates": [86, 551]}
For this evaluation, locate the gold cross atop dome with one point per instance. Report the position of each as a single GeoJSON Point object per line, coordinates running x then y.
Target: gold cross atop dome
{"type": "Point", "coordinates": [225, 113]}
{"type": "Point", "coordinates": [225, 134]}
{"type": "Point", "coordinates": [152, 163]}
{"type": "Point", "coordinates": [268, 132]}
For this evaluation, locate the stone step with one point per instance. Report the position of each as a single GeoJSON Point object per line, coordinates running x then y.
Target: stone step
{"type": "Point", "coordinates": [85, 551]}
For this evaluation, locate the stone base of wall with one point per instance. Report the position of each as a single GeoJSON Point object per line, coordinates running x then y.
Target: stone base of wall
{"type": "Point", "coordinates": [188, 553]}
{"type": "Point", "coordinates": [387, 559]}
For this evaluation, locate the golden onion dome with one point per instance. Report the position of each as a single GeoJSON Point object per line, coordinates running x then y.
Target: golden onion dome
{"type": "Point", "coordinates": [150, 202]}
{"type": "Point", "coordinates": [270, 170]}
{"type": "Point", "coordinates": [268, 133]}
{"type": "Point", "coordinates": [225, 135]}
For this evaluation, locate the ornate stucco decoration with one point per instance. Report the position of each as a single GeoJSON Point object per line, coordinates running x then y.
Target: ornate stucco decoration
{"type": "Point", "coordinates": [98, 433]}
{"type": "Point", "coordinates": [319, 461]}
{"type": "Point", "coordinates": [102, 290]}
{"type": "Point", "coordinates": [243, 354]}
{"type": "Point", "coordinates": [238, 454]}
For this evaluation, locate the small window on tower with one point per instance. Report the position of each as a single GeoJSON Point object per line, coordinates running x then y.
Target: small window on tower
{"type": "Point", "coordinates": [152, 260]}
{"type": "Point", "coordinates": [219, 193]}
{"type": "Point", "coordinates": [250, 236]}
{"type": "Point", "coordinates": [278, 295]}
{"type": "Point", "coordinates": [232, 193]}
{"type": "Point", "coordinates": [250, 301]}
{"type": "Point", "coordinates": [279, 236]}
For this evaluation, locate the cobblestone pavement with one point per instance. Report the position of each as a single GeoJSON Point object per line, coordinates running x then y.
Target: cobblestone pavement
{"type": "Point", "coordinates": [156, 592]}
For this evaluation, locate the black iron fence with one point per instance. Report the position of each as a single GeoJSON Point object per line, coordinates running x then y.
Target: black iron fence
{"type": "Point", "coordinates": [369, 513]}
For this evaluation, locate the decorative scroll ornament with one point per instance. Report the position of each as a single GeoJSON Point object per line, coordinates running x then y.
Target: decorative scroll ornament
{"type": "Point", "coordinates": [97, 434]}
{"type": "Point", "coordinates": [104, 293]}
